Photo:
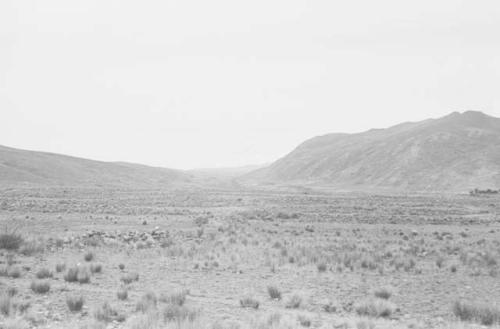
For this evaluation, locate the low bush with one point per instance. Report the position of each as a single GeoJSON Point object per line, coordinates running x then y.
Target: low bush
{"type": "Point", "coordinates": [249, 302]}
{"type": "Point", "coordinates": [375, 308]}
{"type": "Point", "coordinates": [75, 302]}
{"type": "Point", "coordinates": [274, 292]}
{"type": "Point", "coordinates": [40, 286]}
{"type": "Point", "coordinates": [483, 313]}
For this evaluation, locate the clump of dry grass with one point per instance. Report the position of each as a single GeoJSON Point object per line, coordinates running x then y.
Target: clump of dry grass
{"type": "Point", "coordinates": [172, 312]}
{"type": "Point", "coordinates": [176, 298]}
{"type": "Point", "coordinates": [148, 302]}
{"type": "Point", "coordinates": [249, 302]}
{"type": "Point", "coordinates": [383, 292]}
{"type": "Point", "coordinates": [75, 302]}
{"type": "Point", "coordinates": [321, 267]}
{"type": "Point", "coordinates": [106, 313]}
{"type": "Point", "coordinates": [375, 308]}
{"type": "Point", "coordinates": [31, 247]}
{"type": "Point", "coordinates": [122, 294]}
{"type": "Point", "coordinates": [40, 286]}
{"type": "Point", "coordinates": [60, 267]}
{"type": "Point", "coordinates": [10, 239]}
{"type": "Point", "coordinates": [294, 302]}
{"type": "Point", "coordinates": [483, 313]}
{"type": "Point", "coordinates": [274, 292]}
{"type": "Point", "coordinates": [44, 273]}
{"type": "Point", "coordinates": [89, 256]}
{"type": "Point", "coordinates": [77, 274]}
{"type": "Point", "coordinates": [95, 268]}
{"type": "Point", "coordinates": [6, 304]}
{"type": "Point", "coordinates": [130, 277]}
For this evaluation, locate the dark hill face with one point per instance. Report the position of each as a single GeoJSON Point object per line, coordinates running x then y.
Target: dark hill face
{"type": "Point", "coordinates": [27, 168]}
{"type": "Point", "coordinates": [456, 152]}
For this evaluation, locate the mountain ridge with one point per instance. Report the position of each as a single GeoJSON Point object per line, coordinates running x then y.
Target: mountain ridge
{"type": "Point", "coordinates": [455, 152]}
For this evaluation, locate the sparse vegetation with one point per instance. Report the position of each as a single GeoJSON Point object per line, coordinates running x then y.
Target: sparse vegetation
{"type": "Point", "coordinates": [60, 267]}
{"type": "Point", "coordinates": [130, 277]}
{"type": "Point", "coordinates": [77, 274]}
{"type": "Point", "coordinates": [106, 313]}
{"type": "Point", "coordinates": [10, 239]}
{"type": "Point", "coordinates": [375, 308]}
{"type": "Point", "coordinates": [383, 292]}
{"type": "Point", "coordinates": [75, 302]}
{"type": "Point", "coordinates": [274, 292]}
{"type": "Point", "coordinates": [89, 256]}
{"type": "Point", "coordinates": [294, 302]}
{"type": "Point", "coordinates": [122, 294]}
{"type": "Point", "coordinates": [177, 298]}
{"type": "Point", "coordinates": [43, 274]}
{"type": "Point", "coordinates": [249, 302]}
{"type": "Point", "coordinates": [40, 286]}
{"type": "Point", "coordinates": [95, 268]}
{"type": "Point", "coordinates": [484, 314]}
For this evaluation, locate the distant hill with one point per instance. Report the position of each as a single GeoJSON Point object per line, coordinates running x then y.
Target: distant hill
{"type": "Point", "coordinates": [28, 168]}
{"type": "Point", "coordinates": [458, 152]}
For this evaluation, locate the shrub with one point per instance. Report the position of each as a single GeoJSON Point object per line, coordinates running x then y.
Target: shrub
{"type": "Point", "coordinates": [77, 273]}
{"type": "Point", "coordinates": [5, 304]}
{"type": "Point", "coordinates": [83, 275]}
{"type": "Point", "coordinates": [121, 266]}
{"type": "Point", "coordinates": [122, 294]}
{"type": "Point", "coordinates": [96, 268]}
{"type": "Point", "coordinates": [40, 286]}
{"type": "Point", "coordinates": [10, 240]}
{"type": "Point", "coordinates": [60, 267]}
{"type": "Point", "coordinates": [321, 267]}
{"type": "Point", "coordinates": [249, 302]}
{"type": "Point", "coordinates": [439, 261]}
{"type": "Point", "coordinates": [32, 247]}
{"type": "Point", "coordinates": [177, 298]}
{"type": "Point", "coordinates": [383, 292]}
{"type": "Point", "coordinates": [147, 302]}
{"type": "Point", "coordinates": [375, 308]}
{"type": "Point", "coordinates": [105, 313]}
{"type": "Point", "coordinates": [330, 306]}
{"type": "Point", "coordinates": [130, 277]}
{"type": "Point", "coordinates": [74, 302]}
{"type": "Point", "coordinates": [274, 292]}
{"type": "Point", "coordinates": [89, 256]}
{"type": "Point", "coordinates": [485, 314]}
{"type": "Point", "coordinates": [294, 302]}
{"type": "Point", "coordinates": [44, 274]}
{"type": "Point", "coordinates": [71, 275]}
{"type": "Point", "coordinates": [304, 321]}
{"type": "Point", "coordinates": [172, 312]}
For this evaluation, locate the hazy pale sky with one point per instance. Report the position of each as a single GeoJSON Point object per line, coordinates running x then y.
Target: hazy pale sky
{"type": "Point", "coordinates": [197, 83]}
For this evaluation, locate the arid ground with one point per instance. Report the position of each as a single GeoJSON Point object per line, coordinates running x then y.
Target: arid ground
{"type": "Point", "coordinates": [247, 258]}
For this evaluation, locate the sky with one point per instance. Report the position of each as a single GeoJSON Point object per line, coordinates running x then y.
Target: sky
{"type": "Point", "coordinates": [222, 83]}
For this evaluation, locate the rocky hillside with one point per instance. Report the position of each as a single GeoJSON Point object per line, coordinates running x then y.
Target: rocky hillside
{"type": "Point", "coordinates": [458, 152]}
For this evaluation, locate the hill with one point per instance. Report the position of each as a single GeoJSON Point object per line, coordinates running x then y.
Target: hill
{"type": "Point", "coordinates": [28, 168]}
{"type": "Point", "coordinates": [457, 152]}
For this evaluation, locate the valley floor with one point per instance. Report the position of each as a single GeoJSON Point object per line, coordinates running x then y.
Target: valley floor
{"type": "Point", "coordinates": [216, 258]}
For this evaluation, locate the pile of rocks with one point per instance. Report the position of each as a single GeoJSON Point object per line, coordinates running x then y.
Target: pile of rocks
{"type": "Point", "coordinates": [135, 238]}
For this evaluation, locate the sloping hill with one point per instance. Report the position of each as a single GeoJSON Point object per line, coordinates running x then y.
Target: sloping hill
{"type": "Point", "coordinates": [457, 152]}
{"type": "Point", "coordinates": [26, 168]}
